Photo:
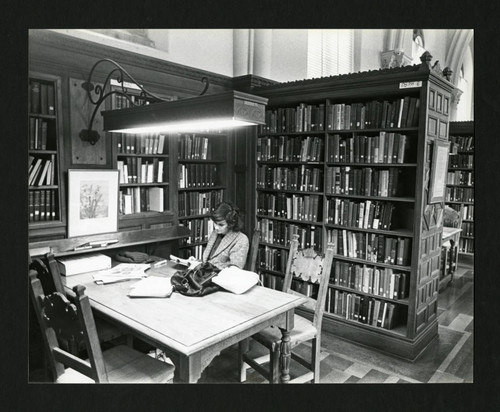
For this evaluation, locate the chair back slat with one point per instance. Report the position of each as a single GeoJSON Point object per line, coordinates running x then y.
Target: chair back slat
{"type": "Point", "coordinates": [308, 265]}
{"type": "Point", "coordinates": [55, 272]}
{"type": "Point", "coordinates": [254, 248]}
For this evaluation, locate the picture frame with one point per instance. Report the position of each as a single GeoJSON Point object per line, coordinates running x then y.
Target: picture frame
{"type": "Point", "coordinates": [439, 169]}
{"type": "Point", "coordinates": [92, 201]}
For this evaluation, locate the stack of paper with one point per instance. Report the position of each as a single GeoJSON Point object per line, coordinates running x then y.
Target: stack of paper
{"type": "Point", "coordinates": [121, 272]}
{"type": "Point", "coordinates": [151, 287]}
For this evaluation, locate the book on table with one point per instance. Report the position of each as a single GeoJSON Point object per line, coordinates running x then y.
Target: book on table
{"type": "Point", "coordinates": [81, 264]}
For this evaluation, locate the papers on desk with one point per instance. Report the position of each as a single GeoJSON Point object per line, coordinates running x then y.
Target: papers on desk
{"type": "Point", "coordinates": [151, 287]}
{"type": "Point", "coordinates": [121, 273]}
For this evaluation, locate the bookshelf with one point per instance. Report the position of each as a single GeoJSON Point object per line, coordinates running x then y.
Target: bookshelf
{"type": "Point", "coordinates": [45, 191]}
{"type": "Point", "coordinates": [460, 182]}
{"type": "Point", "coordinates": [202, 184]}
{"type": "Point", "coordinates": [144, 164]}
{"type": "Point", "coordinates": [347, 159]}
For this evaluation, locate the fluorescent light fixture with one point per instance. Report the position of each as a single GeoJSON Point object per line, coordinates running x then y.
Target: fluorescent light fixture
{"type": "Point", "coordinates": [207, 112]}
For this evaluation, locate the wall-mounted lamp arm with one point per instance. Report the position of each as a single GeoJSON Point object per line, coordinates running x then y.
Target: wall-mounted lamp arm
{"type": "Point", "coordinates": [90, 135]}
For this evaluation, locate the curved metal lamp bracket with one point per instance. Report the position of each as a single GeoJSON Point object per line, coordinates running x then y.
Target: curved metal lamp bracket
{"type": "Point", "coordinates": [97, 94]}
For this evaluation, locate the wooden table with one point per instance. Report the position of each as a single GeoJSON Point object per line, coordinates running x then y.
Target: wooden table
{"type": "Point", "coordinates": [451, 235]}
{"type": "Point", "coordinates": [193, 330]}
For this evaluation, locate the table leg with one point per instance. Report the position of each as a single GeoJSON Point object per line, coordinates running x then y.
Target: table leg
{"type": "Point", "coordinates": [285, 355]}
{"type": "Point", "coordinates": [188, 369]}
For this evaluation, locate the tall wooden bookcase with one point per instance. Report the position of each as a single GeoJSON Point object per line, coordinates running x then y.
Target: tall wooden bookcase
{"type": "Point", "coordinates": [317, 172]}
{"type": "Point", "coordinates": [203, 180]}
{"type": "Point", "coordinates": [46, 198]}
{"type": "Point", "coordinates": [460, 182]}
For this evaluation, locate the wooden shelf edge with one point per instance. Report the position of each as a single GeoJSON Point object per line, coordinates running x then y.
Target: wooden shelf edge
{"type": "Point", "coordinates": [63, 247]}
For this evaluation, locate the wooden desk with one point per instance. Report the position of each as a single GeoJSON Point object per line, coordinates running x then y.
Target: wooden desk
{"type": "Point", "coordinates": [193, 330]}
{"type": "Point", "coordinates": [450, 255]}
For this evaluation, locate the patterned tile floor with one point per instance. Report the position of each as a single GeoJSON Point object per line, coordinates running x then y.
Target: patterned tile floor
{"type": "Point", "coordinates": [449, 359]}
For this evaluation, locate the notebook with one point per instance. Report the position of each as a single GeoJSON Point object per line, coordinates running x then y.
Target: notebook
{"type": "Point", "coordinates": [151, 287]}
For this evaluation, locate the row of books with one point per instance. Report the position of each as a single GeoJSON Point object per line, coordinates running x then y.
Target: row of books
{"type": "Point", "coordinates": [460, 177]}
{"type": "Point", "coordinates": [466, 245]}
{"type": "Point", "coordinates": [195, 147]}
{"type": "Point", "coordinates": [372, 247]}
{"type": "Point", "coordinates": [141, 170]}
{"type": "Point", "coordinates": [462, 142]}
{"type": "Point", "coordinates": [271, 281]}
{"type": "Point", "coordinates": [290, 148]}
{"type": "Point", "coordinates": [302, 118]}
{"type": "Point", "coordinates": [199, 203]}
{"type": "Point", "coordinates": [197, 175]}
{"type": "Point", "coordinates": [346, 180]}
{"type": "Point", "coordinates": [386, 147]}
{"type": "Point", "coordinates": [364, 215]}
{"type": "Point", "coordinates": [295, 207]}
{"type": "Point", "coordinates": [145, 143]}
{"type": "Point", "coordinates": [362, 309]}
{"type": "Point", "coordinates": [373, 115]}
{"type": "Point", "coordinates": [290, 178]}
{"type": "Point", "coordinates": [196, 251]}
{"type": "Point", "coordinates": [38, 134]}
{"type": "Point", "coordinates": [122, 102]}
{"type": "Point", "coordinates": [467, 229]}
{"type": "Point", "coordinates": [42, 98]}
{"type": "Point", "coordinates": [142, 199]}
{"type": "Point", "coordinates": [462, 160]}
{"type": "Point", "coordinates": [201, 229]}
{"type": "Point", "coordinates": [272, 259]}
{"type": "Point", "coordinates": [467, 211]}
{"type": "Point", "coordinates": [399, 113]}
{"type": "Point", "coordinates": [41, 172]}
{"type": "Point", "coordinates": [459, 194]}
{"type": "Point", "coordinates": [280, 233]}
{"type": "Point", "coordinates": [42, 205]}
{"type": "Point", "coordinates": [374, 281]}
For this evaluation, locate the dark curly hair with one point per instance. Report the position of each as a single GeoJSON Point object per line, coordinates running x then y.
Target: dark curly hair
{"type": "Point", "coordinates": [230, 213]}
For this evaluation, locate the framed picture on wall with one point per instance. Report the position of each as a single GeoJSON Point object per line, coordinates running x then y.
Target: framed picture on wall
{"type": "Point", "coordinates": [93, 202]}
{"type": "Point", "coordinates": [439, 170]}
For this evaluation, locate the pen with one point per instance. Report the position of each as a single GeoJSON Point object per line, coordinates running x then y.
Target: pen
{"type": "Point", "coordinates": [83, 247]}
{"type": "Point", "coordinates": [159, 263]}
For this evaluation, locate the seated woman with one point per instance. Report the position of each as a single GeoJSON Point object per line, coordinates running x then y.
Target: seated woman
{"type": "Point", "coordinates": [227, 245]}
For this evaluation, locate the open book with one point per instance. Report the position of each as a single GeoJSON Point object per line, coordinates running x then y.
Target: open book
{"type": "Point", "coordinates": [151, 287]}
{"type": "Point", "coordinates": [121, 272]}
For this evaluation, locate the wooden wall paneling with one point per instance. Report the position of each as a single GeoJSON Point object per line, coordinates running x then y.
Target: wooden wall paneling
{"type": "Point", "coordinates": [84, 153]}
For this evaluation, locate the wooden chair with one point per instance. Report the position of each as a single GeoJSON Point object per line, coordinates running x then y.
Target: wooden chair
{"type": "Point", "coordinates": [252, 254]}
{"type": "Point", "coordinates": [58, 318]}
{"type": "Point", "coordinates": [308, 265]}
{"type": "Point", "coordinates": [50, 276]}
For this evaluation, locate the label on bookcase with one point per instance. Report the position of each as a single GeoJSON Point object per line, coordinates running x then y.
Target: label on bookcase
{"type": "Point", "coordinates": [410, 85]}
